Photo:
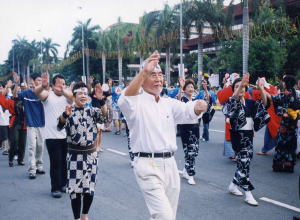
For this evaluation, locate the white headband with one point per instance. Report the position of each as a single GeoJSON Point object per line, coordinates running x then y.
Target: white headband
{"type": "Point", "coordinates": [82, 89]}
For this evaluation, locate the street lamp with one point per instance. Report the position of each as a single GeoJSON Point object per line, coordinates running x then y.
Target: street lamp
{"type": "Point", "coordinates": [83, 65]}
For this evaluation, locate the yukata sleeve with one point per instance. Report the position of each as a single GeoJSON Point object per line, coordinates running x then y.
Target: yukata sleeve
{"type": "Point", "coordinates": [260, 115]}
{"type": "Point", "coordinates": [235, 113]}
{"type": "Point", "coordinates": [98, 116]}
{"type": "Point", "coordinates": [278, 105]}
{"type": "Point", "coordinates": [61, 125]}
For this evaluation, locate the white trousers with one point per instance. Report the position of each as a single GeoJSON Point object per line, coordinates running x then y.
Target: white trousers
{"type": "Point", "coordinates": [35, 146]}
{"type": "Point", "coordinates": [159, 182]}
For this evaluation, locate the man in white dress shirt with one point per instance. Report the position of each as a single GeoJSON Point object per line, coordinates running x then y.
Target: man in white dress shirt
{"type": "Point", "coordinates": [151, 120]}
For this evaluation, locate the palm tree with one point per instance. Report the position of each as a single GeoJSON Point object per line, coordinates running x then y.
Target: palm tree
{"type": "Point", "coordinates": [49, 50]}
{"type": "Point", "coordinates": [24, 52]}
{"type": "Point", "coordinates": [36, 48]}
{"type": "Point", "coordinates": [120, 35]}
{"type": "Point", "coordinates": [139, 42]}
{"type": "Point", "coordinates": [199, 14]}
{"type": "Point", "coordinates": [104, 44]}
{"type": "Point", "coordinates": [90, 36]}
{"type": "Point", "coordinates": [245, 36]}
{"type": "Point", "coordinates": [163, 24]}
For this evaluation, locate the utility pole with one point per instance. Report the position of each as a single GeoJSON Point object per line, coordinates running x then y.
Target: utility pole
{"type": "Point", "coordinates": [181, 72]}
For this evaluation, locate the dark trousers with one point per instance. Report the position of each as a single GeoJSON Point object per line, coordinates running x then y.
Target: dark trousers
{"type": "Point", "coordinates": [190, 143]}
{"type": "Point", "coordinates": [242, 143]}
{"type": "Point", "coordinates": [57, 150]}
{"type": "Point", "coordinates": [17, 139]}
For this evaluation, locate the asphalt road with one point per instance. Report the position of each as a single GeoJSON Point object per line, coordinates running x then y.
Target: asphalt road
{"type": "Point", "coordinates": [118, 196]}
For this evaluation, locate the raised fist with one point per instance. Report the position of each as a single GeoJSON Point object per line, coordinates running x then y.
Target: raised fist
{"type": "Point", "coordinates": [151, 62]}
{"type": "Point", "coordinates": [45, 80]}
{"type": "Point", "coordinates": [68, 110]}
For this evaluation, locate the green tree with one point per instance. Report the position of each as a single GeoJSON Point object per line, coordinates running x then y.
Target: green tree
{"type": "Point", "coordinates": [266, 58]}
{"type": "Point", "coordinates": [22, 53]}
{"type": "Point", "coordinates": [164, 26]}
{"type": "Point", "coordinates": [200, 15]}
{"type": "Point", "coordinates": [120, 35]}
{"type": "Point", "coordinates": [104, 45]}
{"type": "Point", "coordinates": [90, 34]}
{"type": "Point", "coordinates": [49, 50]}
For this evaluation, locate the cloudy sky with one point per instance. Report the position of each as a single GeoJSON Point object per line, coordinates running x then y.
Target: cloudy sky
{"type": "Point", "coordinates": [56, 18]}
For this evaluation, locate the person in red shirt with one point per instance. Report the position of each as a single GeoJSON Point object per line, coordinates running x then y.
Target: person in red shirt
{"type": "Point", "coordinates": [17, 127]}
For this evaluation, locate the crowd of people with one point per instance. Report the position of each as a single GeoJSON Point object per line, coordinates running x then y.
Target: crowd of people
{"type": "Point", "coordinates": [69, 121]}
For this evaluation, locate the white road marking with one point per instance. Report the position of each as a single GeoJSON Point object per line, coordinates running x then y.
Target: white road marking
{"type": "Point", "coordinates": [216, 130]}
{"type": "Point", "coordinates": [116, 152]}
{"type": "Point", "coordinates": [280, 204]}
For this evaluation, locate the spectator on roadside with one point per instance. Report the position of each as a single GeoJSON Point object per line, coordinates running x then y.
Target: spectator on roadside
{"type": "Point", "coordinates": [107, 88]}
{"type": "Point", "coordinates": [210, 97]}
{"type": "Point", "coordinates": [116, 92]}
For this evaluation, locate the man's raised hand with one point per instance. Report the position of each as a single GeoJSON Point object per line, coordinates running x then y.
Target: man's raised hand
{"type": "Point", "coordinates": [245, 79]}
{"type": "Point", "coordinates": [68, 109]}
{"type": "Point", "coordinates": [151, 62]}
{"type": "Point", "coordinates": [9, 84]}
{"type": "Point", "coordinates": [16, 77]}
{"type": "Point", "coordinates": [45, 80]}
{"type": "Point", "coordinates": [181, 82]}
{"type": "Point", "coordinates": [200, 106]}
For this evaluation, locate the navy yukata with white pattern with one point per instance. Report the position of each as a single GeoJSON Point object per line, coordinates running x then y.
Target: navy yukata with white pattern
{"type": "Point", "coordinates": [190, 143]}
{"type": "Point", "coordinates": [242, 140]}
{"type": "Point", "coordinates": [285, 152]}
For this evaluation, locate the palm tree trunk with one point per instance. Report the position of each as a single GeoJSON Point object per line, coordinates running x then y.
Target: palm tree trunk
{"type": "Point", "coordinates": [245, 36]}
{"type": "Point", "coordinates": [19, 68]}
{"type": "Point", "coordinates": [141, 59]}
{"type": "Point", "coordinates": [28, 75]}
{"type": "Point", "coordinates": [88, 67]}
{"type": "Point", "coordinates": [103, 66]}
{"type": "Point", "coordinates": [200, 60]}
{"type": "Point", "coordinates": [120, 66]}
{"type": "Point", "coordinates": [23, 70]}
{"type": "Point", "coordinates": [167, 69]}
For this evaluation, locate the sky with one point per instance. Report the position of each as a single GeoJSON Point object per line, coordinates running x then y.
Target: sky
{"type": "Point", "coordinates": [55, 19]}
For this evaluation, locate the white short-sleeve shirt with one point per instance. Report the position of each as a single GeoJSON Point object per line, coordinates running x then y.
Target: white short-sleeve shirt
{"type": "Point", "coordinates": [152, 124]}
{"type": "Point", "coordinates": [54, 106]}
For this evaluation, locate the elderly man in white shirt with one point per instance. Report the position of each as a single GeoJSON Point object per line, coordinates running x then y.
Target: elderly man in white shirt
{"type": "Point", "coordinates": [151, 120]}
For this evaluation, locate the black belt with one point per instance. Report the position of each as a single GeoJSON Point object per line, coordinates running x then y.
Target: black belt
{"type": "Point", "coordinates": [155, 155]}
